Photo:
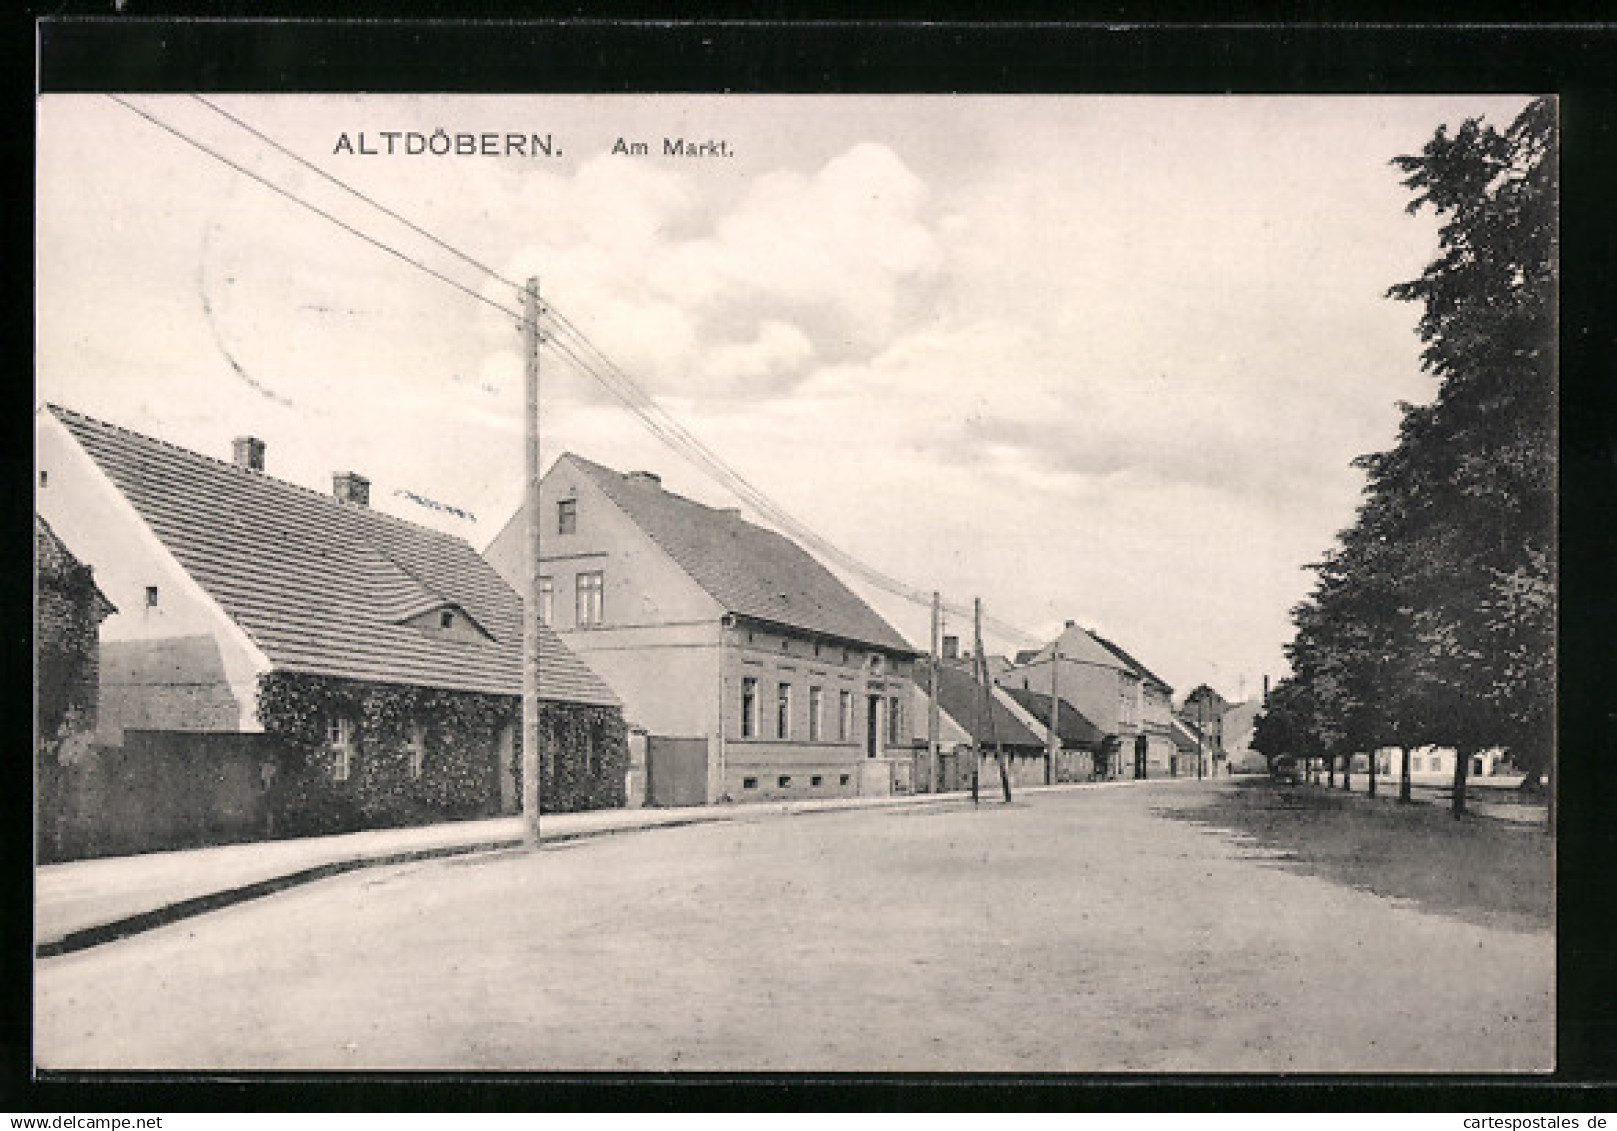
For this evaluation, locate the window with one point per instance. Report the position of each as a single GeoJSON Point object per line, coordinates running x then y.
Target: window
{"type": "Point", "coordinates": [590, 587]}
{"type": "Point", "coordinates": [416, 748]}
{"type": "Point", "coordinates": [567, 516]}
{"type": "Point", "coordinates": [816, 780]}
{"type": "Point", "coordinates": [749, 783]}
{"type": "Point", "coordinates": [783, 781]}
{"type": "Point", "coordinates": [446, 619]}
{"type": "Point", "coordinates": [892, 721]}
{"type": "Point", "coordinates": [547, 600]}
{"type": "Point", "coordinates": [749, 708]}
{"type": "Point", "coordinates": [843, 780]}
{"type": "Point", "coordinates": [783, 711]}
{"type": "Point", "coordinates": [816, 706]}
{"type": "Point", "coordinates": [151, 596]}
{"type": "Point", "coordinates": [845, 716]}
{"type": "Point", "coordinates": [44, 478]}
{"type": "Point", "coordinates": [340, 739]}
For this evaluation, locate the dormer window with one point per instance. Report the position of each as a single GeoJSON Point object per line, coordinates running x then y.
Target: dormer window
{"type": "Point", "coordinates": [567, 516]}
{"type": "Point", "coordinates": [446, 619]}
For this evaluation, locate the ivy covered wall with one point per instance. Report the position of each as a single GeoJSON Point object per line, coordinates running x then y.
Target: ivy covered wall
{"type": "Point", "coordinates": [470, 741]}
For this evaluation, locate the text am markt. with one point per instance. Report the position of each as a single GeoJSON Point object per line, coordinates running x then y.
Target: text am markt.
{"type": "Point", "coordinates": [674, 147]}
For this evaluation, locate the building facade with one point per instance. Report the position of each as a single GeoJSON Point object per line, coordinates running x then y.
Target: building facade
{"type": "Point", "coordinates": [756, 674]}
{"type": "Point", "coordinates": [1131, 708]}
{"type": "Point", "coordinates": [288, 661]}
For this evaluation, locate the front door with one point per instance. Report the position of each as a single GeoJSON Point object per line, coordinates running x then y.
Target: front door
{"type": "Point", "coordinates": [872, 724]}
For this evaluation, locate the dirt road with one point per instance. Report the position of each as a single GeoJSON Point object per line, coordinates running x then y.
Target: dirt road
{"type": "Point", "coordinates": [1079, 932]}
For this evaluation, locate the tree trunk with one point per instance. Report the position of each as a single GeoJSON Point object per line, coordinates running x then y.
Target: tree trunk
{"type": "Point", "coordinates": [1330, 771]}
{"type": "Point", "coordinates": [1549, 795]}
{"type": "Point", "coordinates": [1403, 770]}
{"type": "Point", "coordinates": [1375, 757]}
{"type": "Point", "coordinates": [1347, 773]}
{"type": "Point", "coordinates": [1462, 767]}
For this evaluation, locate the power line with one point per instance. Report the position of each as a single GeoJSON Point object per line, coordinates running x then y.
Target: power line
{"type": "Point", "coordinates": [349, 228]}
{"type": "Point", "coordinates": [350, 189]}
{"type": "Point", "coordinates": [662, 424]}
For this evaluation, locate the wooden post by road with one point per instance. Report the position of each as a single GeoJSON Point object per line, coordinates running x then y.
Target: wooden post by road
{"type": "Point", "coordinates": [1055, 716]}
{"type": "Point", "coordinates": [934, 757]}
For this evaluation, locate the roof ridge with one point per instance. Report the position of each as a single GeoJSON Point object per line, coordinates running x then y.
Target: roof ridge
{"type": "Point", "coordinates": [261, 476]}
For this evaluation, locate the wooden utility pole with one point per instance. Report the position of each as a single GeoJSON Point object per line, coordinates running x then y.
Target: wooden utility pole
{"type": "Point", "coordinates": [1201, 734]}
{"type": "Point", "coordinates": [530, 594]}
{"type": "Point", "coordinates": [934, 757]}
{"type": "Point", "coordinates": [988, 696]}
{"type": "Point", "coordinates": [1055, 718]}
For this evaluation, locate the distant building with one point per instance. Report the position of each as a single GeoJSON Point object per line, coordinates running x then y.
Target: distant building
{"type": "Point", "coordinates": [286, 661]}
{"type": "Point", "coordinates": [1129, 705]}
{"type": "Point", "coordinates": [754, 671]}
{"type": "Point", "coordinates": [995, 720]}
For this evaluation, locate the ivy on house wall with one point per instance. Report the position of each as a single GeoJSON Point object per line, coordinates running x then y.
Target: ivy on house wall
{"type": "Point", "coordinates": [583, 753]}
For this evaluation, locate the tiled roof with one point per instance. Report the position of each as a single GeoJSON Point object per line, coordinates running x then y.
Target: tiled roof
{"type": "Point", "coordinates": [1144, 671]}
{"type": "Point", "coordinates": [327, 587]}
{"type": "Point", "coordinates": [957, 694]}
{"type": "Point", "coordinates": [1071, 725]}
{"type": "Point", "coordinates": [751, 571]}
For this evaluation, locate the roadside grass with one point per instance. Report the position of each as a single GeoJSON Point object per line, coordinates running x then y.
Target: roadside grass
{"type": "Point", "coordinates": [1481, 870]}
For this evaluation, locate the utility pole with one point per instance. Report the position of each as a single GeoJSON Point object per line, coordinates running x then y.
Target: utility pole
{"type": "Point", "coordinates": [978, 715]}
{"type": "Point", "coordinates": [1201, 733]}
{"type": "Point", "coordinates": [530, 595]}
{"type": "Point", "coordinates": [934, 758]}
{"type": "Point", "coordinates": [1055, 717]}
{"type": "Point", "coordinates": [988, 696]}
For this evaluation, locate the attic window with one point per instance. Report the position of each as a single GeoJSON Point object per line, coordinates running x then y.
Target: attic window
{"type": "Point", "coordinates": [446, 619]}
{"type": "Point", "coordinates": [44, 477]}
{"type": "Point", "coordinates": [567, 516]}
{"type": "Point", "coordinates": [151, 596]}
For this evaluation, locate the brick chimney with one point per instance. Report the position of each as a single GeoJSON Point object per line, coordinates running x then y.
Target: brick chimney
{"type": "Point", "coordinates": [351, 487]}
{"type": "Point", "coordinates": [951, 647]}
{"type": "Point", "coordinates": [248, 452]}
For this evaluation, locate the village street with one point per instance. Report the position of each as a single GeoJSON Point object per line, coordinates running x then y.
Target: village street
{"type": "Point", "coordinates": [1083, 930]}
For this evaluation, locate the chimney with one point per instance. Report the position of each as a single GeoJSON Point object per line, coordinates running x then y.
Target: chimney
{"type": "Point", "coordinates": [248, 452]}
{"type": "Point", "coordinates": [351, 487]}
{"type": "Point", "coordinates": [1072, 624]}
{"type": "Point", "coordinates": [647, 478]}
{"type": "Point", "coordinates": [951, 647]}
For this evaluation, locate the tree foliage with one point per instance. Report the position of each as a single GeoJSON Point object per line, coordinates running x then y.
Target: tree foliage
{"type": "Point", "coordinates": [1432, 619]}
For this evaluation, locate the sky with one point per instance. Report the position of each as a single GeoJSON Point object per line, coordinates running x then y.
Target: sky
{"type": "Point", "coordinates": [1102, 359]}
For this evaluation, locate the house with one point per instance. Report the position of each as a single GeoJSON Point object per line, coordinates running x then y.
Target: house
{"type": "Point", "coordinates": [999, 726]}
{"type": "Point", "coordinates": [1083, 745]}
{"type": "Point", "coordinates": [1201, 718]}
{"type": "Point", "coordinates": [1129, 705]}
{"type": "Point", "coordinates": [1154, 709]}
{"type": "Point", "coordinates": [69, 608]}
{"type": "Point", "coordinates": [1435, 762]}
{"type": "Point", "coordinates": [284, 661]}
{"type": "Point", "coordinates": [952, 768]}
{"type": "Point", "coordinates": [756, 673]}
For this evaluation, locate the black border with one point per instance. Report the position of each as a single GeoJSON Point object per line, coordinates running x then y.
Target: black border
{"type": "Point", "coordinates": [83, 47]}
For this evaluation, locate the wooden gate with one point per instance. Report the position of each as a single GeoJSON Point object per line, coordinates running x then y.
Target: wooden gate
{"type": "Point", "coordinates": [676, 771]}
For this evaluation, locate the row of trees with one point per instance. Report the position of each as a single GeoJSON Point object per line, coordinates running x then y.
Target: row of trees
{"type": "Point", "coordinates": [1432, 620]}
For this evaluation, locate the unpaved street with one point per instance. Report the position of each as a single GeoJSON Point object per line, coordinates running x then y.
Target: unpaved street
{"type": "Point", "coordinates": [1077, 931]}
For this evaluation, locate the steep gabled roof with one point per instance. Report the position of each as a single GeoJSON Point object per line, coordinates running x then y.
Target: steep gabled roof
{"type": "Point", "coordinates": [957, 694]}
{"type": "Point", "coordinates": [1074, 729]}
{"type": "Point", "coordinates": [328, 587]}
{"type": "Point", "coordinates": [1145, 672]}
{"type": "Point", "coordinates": [752, 572]}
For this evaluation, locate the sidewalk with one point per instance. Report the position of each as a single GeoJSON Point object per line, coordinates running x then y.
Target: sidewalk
{"type": "Point", "coordinates": [86, 902]}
